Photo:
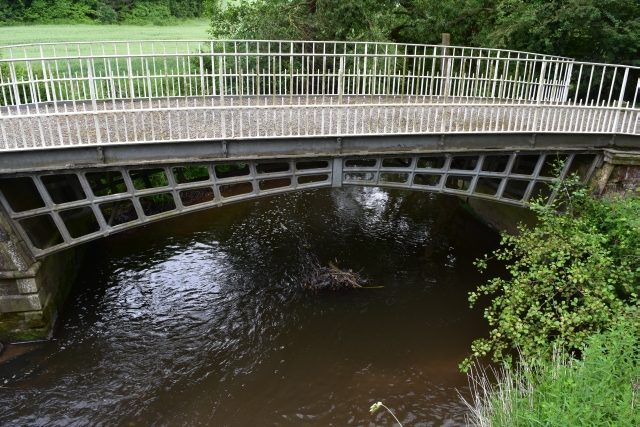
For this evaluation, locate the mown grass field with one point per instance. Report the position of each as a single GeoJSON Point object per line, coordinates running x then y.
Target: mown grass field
{"type": "Point", "coordinates": [188, 30]}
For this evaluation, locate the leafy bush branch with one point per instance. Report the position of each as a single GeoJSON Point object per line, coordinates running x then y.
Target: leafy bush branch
{"type": "Point", "coordinates": [576, 273]}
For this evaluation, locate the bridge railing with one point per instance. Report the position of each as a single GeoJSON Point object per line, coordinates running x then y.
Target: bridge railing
{"type": "Point", "coordinates": [60, 95]}
{"type": "Point", "coordinates": [125, 70]}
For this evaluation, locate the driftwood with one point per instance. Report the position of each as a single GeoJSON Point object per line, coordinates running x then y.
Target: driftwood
{"type": "Point", "coordinates": [317, 278]}
{"type": "Point", "coordinates": [332, 278]}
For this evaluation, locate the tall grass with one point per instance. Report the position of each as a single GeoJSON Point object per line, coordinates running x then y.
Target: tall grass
{"type": "Point", "coordinates": [600, 389]}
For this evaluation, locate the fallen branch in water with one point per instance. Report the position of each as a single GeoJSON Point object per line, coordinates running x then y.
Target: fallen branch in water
{"type": "Point", "coordinates": [317, 278]}
{"type": "Point", "coordinates": [332, 279]}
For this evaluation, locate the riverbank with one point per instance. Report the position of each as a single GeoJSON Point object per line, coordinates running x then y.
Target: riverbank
{"type": "Point", "coordinates": [599, 389]}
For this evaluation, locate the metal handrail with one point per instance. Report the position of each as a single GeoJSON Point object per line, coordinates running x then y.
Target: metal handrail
{"type": "Point", "coordinates": [93, 93]}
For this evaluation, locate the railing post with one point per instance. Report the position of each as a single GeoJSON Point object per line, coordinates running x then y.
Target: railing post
{"type": "Point", "coordinates": [567, 82]}
{"type": "Point", "coordinates": [340, 92]}
{"type": "Point", "coordinates": [444, 65]}
{"type": "Point", "coordinates": [543, 69]}
{"type": "Point", "coordinates": [94, 104]}
{"type": "Point", "coordinates": [130, 71]}
{"type": "Point", "coordinates": [495, 76]}
{"type": "Point", "coordinates": [14, 78]}
{"type": "Point", "coordinates": [201, 73]}
{"type": "Point", "coordinates": [223, 125]}
{"type": "Point", "coordinates": [44, 76]}
{"type": "Point", "coordinates": [620, 100]}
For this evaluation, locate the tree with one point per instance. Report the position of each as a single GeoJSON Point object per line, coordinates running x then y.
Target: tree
{"type": "Point", "coordinates": [409, 21]}
{"type": "Point", "coordinates": [588, 30]}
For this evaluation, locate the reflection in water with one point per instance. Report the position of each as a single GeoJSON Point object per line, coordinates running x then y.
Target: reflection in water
{"type": "Point", "coordinates": [202, 320]}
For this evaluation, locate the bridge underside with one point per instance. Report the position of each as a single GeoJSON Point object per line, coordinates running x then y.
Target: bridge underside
{"type": "Point", "coordinates": [53, 209]}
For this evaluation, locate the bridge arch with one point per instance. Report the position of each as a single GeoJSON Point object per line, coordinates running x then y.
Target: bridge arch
{"type": "Point", "coordinates": [55, 210]}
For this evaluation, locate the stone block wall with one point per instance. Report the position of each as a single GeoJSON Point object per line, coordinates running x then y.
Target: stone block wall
{"type": "Point", "coordinates": [31, 291]}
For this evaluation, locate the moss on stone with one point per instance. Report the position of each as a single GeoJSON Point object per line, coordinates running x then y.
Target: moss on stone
{"type": "Point", "coordinates": [56, 275]}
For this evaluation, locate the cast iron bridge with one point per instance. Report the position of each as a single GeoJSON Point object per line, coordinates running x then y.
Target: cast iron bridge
{"type": "Point", "coordinates": [96, 138]}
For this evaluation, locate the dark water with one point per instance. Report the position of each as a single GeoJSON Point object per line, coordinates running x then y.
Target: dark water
{"type": "Point", "coordinates": [201, 320]}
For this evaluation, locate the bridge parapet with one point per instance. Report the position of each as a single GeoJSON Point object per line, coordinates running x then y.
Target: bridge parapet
{"type": "Point", "coordinates": [110, 93]}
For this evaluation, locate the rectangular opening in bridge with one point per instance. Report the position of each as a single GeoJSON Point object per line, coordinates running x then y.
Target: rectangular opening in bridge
{"type": "Point", "coordinates": [106, 182]}
{"type": "Point", "coordinates": [271, 184]}
{"type": "Point", "coordinates": [185, 175]}
{"type": "Point", "coordinates": [515, 189]}
{"type": "Point", "coordinates": [311, 179]}
{"type": "Point", "coordinates": [551, 163]}
{"type": "Point", "coordinates": [360, 163]}
{"type": "Point", "coordinates": [541, 190]}
{"type": "Point", "coordinates": [21, 194]}
{"type": "Point", "coordinates": [433, 162]}
{"type": "Point", "coordinates": [395, 162]}
{"type": "Point", "coordinates": [80, 221]}
{"type": "Point", "coordinates": [272, 167]}
{"type": "Point", "coordinates": [525, 164]}
{"type": "Point", "coordinates": [458, 182]}
{"type": "Point", "coordinates": [63, 188]}
{"type": "Point", "coordinates": [581, 165]}
{"type": "Point", "coordinates": [359, 176]}
{"type": "Point", "coordinates": [466, 163]}
{"type": "Point", "coordinates": [427, 179]}
{"type": "Point", "coordinates": [157, 204]}
{"type": "Point", "coordinates": [196, 196]}
{"type": "Point", "coordinates": [399, 178]}
{"type": "Point", "coordinates": [496, 164]}
{"type": "Point", "coordinates": [231, 170]}
{"type": "Point", "coordinates": [317, 164]}
{"type": "Point", "coordinates": [144, 179]}
{"type": "Point", "coordinates": [232, 190]}
{"type": "Point", "coordinates": [42, 231]}
{"type": "Point", "coordinates": [488, 186]}
{"type": "Point", "coordinates": [120, 212]}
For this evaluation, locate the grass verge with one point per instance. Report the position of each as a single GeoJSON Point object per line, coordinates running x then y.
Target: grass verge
{"type": "Point", "coordinates": [600, 389]}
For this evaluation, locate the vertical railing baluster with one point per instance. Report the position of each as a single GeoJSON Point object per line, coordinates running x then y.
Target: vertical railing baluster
{"type": "Point", "coordinates": [94, 104]}
{"type": "Point", "coordinates": [130, 72]}
{"type": "Point", "coordinates": [340, 90]}
{"type": "Point", "coordinates": [223, 121]}
{"type": "Point", "coordinates": [620, 99]}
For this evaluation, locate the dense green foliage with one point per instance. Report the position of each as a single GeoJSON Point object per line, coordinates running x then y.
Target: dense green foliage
{"type": "Point", "coordinates": [367, 20]}
{"type": "Point", "coordinates": [597, 30]}
{"type": "Point", "coordinates": [590, 30]}
{"type": "Point", "coordinates": [574, 274]}
{"type": "Point", "coordinates": [601, 389]}
{"type": "Point", "coordinates": [135, 12]}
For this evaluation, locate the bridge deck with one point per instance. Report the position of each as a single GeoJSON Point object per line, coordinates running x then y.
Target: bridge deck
{"type": "Point", "coordinates": [51, 125]}
{"type": "Point", "coordinates": [69, 95]}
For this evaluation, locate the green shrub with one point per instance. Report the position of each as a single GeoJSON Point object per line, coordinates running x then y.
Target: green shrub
{"type": "Point", "coordinates": [59, 12]}
{"type": "Point", "coordinates": [146, 13]}
{"type": "Point", "coordinates": [28, 93]}
{"type": "Point", "coordinates": [572, 275]}
{"type": "Point", "coordinates": [137, 12]}
{"type": "Point", "coordinates": [106, 14]}
{"type": "Point", "coordinates": [602, 389]}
